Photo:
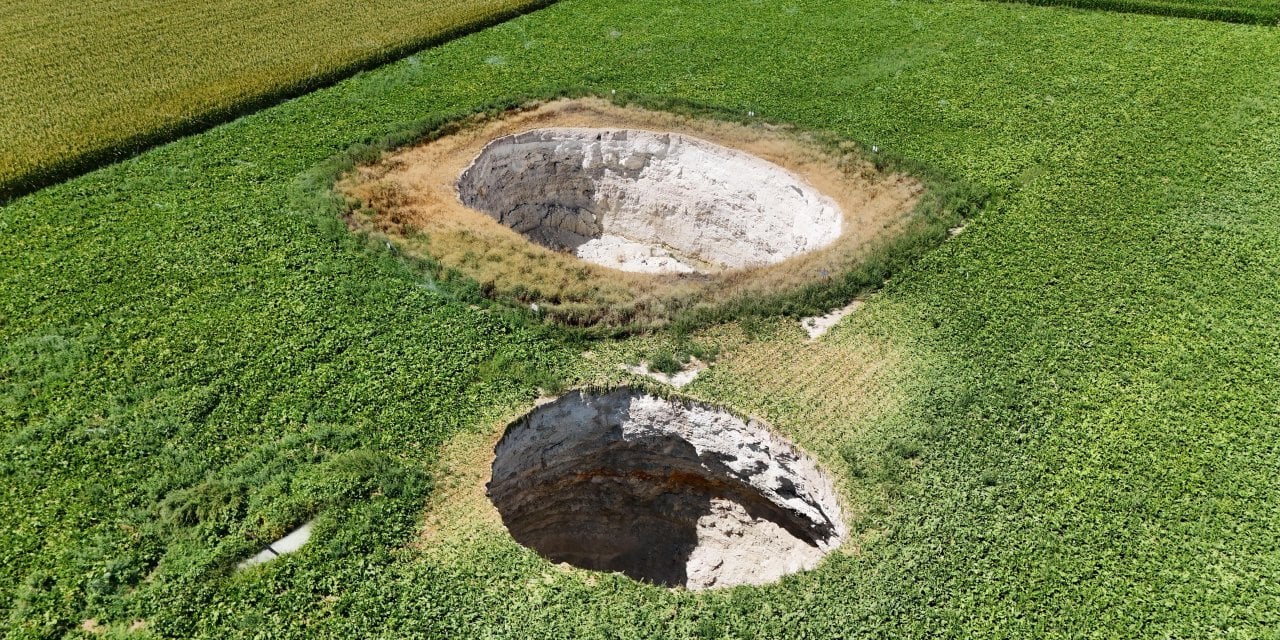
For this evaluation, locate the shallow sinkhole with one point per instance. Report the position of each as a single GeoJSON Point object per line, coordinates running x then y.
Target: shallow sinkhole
{"type": "Point", "coordinates": [668, 491]}
{"type": "Point", "coordinates": [644, 201]}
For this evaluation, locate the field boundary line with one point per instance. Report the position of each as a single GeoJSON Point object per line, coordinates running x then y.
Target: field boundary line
{"type": "Point", "coordinates": [1234, 15]}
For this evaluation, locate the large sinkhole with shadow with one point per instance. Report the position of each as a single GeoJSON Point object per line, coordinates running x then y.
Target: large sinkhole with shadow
{"type": "Point", "coordinates": [611, 216]}
{"type": "Point", "coordinates": [648, 201]}
{"type": "Point", "coordinates": [668, 491]}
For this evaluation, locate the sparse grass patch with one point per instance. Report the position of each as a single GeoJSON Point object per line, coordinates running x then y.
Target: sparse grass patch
{"type": "Point", "coordinates": [672, 359]}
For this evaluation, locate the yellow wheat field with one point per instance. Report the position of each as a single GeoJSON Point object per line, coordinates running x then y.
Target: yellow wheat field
{"type": "Point", "coordinates": [78, 78]}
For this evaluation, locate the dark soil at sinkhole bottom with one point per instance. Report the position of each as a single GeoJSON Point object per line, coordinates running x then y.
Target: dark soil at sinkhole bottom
{"type": "Point", "coordinates": [668, 491]}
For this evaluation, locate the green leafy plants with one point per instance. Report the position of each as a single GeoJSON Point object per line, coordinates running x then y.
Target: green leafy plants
{"type": "Point", "coordinates": [193, 362]}
{"type": "Point", "coordinates": [1259, 12]}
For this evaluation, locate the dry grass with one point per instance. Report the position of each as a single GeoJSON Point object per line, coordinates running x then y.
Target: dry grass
{"type": "Point", "coordinates": [410, 196]}
{"type": "Point", "coordinates": [459, 509]}
{"type": "Point", "coordinates": [817, 392]}
{"type": "Point", "coordinates": [829, 396]}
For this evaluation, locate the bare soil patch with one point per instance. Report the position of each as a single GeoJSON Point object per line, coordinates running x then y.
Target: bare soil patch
{"type": "Point", "coordinates": [818, 326]}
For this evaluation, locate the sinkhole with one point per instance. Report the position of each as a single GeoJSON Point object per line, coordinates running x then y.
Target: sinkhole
{"type": "Point", "coordinates": [664, 490]}
{"type": "Point", "coordinates": [645, 201]}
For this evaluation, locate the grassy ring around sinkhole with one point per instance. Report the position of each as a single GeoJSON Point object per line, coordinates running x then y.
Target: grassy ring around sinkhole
{"type": "Point", "coordinates": [545, 178]}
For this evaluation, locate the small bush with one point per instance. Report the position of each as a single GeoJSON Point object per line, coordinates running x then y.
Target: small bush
{"type": "Point", "coordinates": [665, 361]}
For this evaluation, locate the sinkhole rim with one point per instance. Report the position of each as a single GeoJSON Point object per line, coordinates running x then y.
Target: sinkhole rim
{"type": "Point", "coordinates": [407, 195]}
{"type": "Point", "coordinates": [663, 489]}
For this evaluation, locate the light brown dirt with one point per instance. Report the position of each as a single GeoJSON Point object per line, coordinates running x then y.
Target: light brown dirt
{"type": "Point", "coordinates": [411, 196]}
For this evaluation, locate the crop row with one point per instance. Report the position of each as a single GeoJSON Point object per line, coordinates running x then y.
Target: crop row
{"type": "Point", "coordinates": [1260, 12]}
{"type": "Point", "coordinates": [89, 83]}
{"type": "Point", "coordinates": [1078, 437]}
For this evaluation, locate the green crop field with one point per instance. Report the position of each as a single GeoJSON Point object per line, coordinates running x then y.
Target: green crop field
{"type": "Point", "coordinates": [1263, 12]}
{"type": "Point", "coordinates": [1062, 422]}
{"type": "Point", "coordinates": [89, 82]}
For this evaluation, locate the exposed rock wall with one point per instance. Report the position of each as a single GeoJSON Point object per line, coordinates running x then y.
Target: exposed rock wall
{"type": "Point", "coordinates": [646, 201]}
{"type": "Point", "coordinates": [670, 491]}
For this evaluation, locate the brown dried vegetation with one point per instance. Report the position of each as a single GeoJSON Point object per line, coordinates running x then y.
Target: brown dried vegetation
{"type": "Point", "coordinates": [410, 196]}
